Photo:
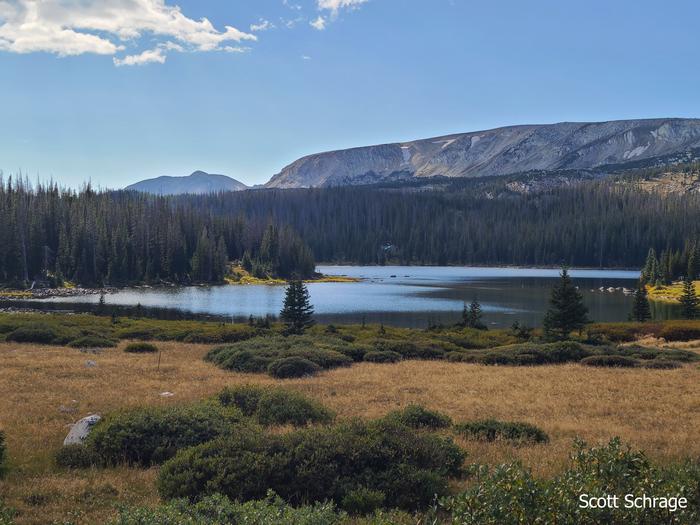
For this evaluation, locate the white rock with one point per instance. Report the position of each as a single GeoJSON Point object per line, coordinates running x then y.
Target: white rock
{"type": "Point", "coordinates": [80, 430]}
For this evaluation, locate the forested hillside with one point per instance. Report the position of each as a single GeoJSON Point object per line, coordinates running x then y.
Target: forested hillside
{"type": "Point", "coordinates": [116, 238]}
{"type": "Point", "coordinates": [599, 223]}
{"type": "Point", "coordinates": [119, 238]}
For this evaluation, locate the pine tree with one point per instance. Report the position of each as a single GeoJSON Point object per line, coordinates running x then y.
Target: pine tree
{"type": "Point", "coordinates": [567, 311]}
{"type": "Point", "coordinates": [640, 310]}
{"type": "Point", "coordinates": [471, 317]}
{"type": "Point", "coordinates": [689, 300]}
{"type": "Point", "coordinates": [297, 312]}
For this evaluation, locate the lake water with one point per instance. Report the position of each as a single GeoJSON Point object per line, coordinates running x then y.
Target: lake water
{"type": "Point", "coordinates": [403, 295]}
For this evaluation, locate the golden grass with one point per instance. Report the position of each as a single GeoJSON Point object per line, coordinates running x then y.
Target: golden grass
{"type": "Point", "coordinates": [669, 294]}
{"type": "Point", "coordinates": [241, 276]}
{"type": "Point", "coordinates": [655, 410]}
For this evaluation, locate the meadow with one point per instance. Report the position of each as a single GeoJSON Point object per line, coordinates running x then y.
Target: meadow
{"type": "Point", "coordinates": [44, 388]}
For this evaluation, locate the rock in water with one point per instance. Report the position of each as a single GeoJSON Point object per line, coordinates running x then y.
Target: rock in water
{"type": "Point", "coordinates": [80, 430]}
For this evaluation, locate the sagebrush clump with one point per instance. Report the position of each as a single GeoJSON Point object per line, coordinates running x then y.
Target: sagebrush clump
{"type": "Point", "coordinates": [493, 430]}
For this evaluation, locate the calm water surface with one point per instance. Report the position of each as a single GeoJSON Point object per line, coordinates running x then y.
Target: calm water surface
{"type": "Point", "coordinates": [403, 295]}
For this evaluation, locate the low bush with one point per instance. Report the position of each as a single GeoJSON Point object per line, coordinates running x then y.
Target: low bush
{"type": "Point", "coordinates": [141, 348]}
{"type": "Point", "coordinates": [663, 364]}
{"type": "Point", "coordinates": [318, 464]}
{"type": "Point", "coordinates": [510, 495]}
{"type": "Point", "coordinates": [219, 510]}
{"type": "Point", "coordinates": [149, 436]}
{"type": "Point", "coordinates": [3, 455]}
{"type": "Point", "coordinates": [33, 334]}
{"type": "Point", "coordinates": [77, 457]}
{"type": "Point", "coordinates": [680, 330]}
{"type": "Point", "coordinates": [646, 353]}
{"type": "Point", "coordinates": [524, 354]}
{"type": "Point", "coordinates": [612, 361]}
{"type": "Point", "coordinates": [416, 416]}
{"type": "Point", "coordinates": [363, 501]}
{"type": "Point", "coordinates": [256, 355]}
{"type": "Point", "coordinates": [382, 357]}
{"type": "Point", "coordinates": [493, 430]}
{"type": "Point", "coordinates": [411, 350]}
{"type": "Point", "coordinates": [292, 367]}
{"type": "Point", "coordinates": [92, 341]}
{"type": "Point", "coordinates": [275, 406]}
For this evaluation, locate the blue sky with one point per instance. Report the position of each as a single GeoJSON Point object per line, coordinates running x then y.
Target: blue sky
{"type": "Point", "coordinates": [141, 89]}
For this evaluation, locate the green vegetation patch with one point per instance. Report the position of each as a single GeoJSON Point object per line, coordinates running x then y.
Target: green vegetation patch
{"type": "Point", "coordinates": [149, 436]}
{"type": "Point", "coordinates": [319, 464]}
{"type": "Point", "coordinates": [510, 495]}
{"type": "Point", "coordinates": [3, 455]}
{"type": "Point", "coordinates": [494, 430]}
{"type": "Point", "coordinates": [610, 361]}
{"type": "Point", "coordinates": [141, 348]}
{"type": "Point", "coordinates": [257, 355]}
{"type": "Point", "coordinates": [92, 341]}
{"type": "Point", "coordinates": [418, 417]}
{"type": "Point", "coordinates": [275, 406]}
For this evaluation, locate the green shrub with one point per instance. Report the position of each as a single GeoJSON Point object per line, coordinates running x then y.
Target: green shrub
{"type": "Point", "coordinates": [646, 353]}
{"type": "Point", "coordinates": [680, 331]}
{"type": "Point", "coordinates": [363, 501]}
{"type": "Point", "coordinates": [3, 455]}
{"type": "Point", "coordinates": [493, 430]}
{"type": "Point", "coordinates": [292, 367]}
{"type": "Point", "coordinates": [33, 334]}
{"type": "Point", "coordinates": [612, 361]}
{"type": "Point", "coordinates": [275, 406]}
{"type": "Point", "coordinates": [92, 341]}
{"type": "Point", "coordinates": [149, 436]}
{"type": "Point", "coordinates": [416, 416]}
{"type": "Point", "coordinates": [245, 397]}
{"type": "Point", "coordinates": [663, 364]}
{"type": "Point", "coordinates": [219, 510]}
{"type": "Point", "coordinates": [382, 357]}
{"type": "Point", "coordinates": [257, 354]}
{"type": "Point", "coordinates": [77, 457]}
{"type": "Point", "coordinates": [510, 495]}
{"type": "Point", "coordinates": [318, 464]}
{"type": "Point", "coordinates": [141, 348]}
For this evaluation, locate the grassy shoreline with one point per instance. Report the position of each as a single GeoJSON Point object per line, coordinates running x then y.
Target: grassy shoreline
{"type": "Point", "coordinates": [669, 294]}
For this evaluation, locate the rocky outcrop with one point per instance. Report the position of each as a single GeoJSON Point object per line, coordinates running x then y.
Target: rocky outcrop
{"type": "Point", "coordinates": [502, 151]}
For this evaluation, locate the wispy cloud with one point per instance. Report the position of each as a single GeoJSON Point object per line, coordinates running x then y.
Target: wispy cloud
{"type": "Point", "coordinates": [262, 25]}
{"type": "Point", "coordinates": [319, 23]}
{"type": "Point", "coordinates": [334, 6]}
{"type": "Point", "coordinates": [108, 27]}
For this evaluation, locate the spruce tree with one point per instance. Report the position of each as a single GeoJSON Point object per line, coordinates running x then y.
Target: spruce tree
{"type": "Point", "coordinates": [641, 311]}
{"type": "Point", "coordinates": [472, 316]}
{"type": "Point", "coordinates": [297, 312]}
{"type": "Point", "coordinates": [567, 311]}
{"type": "Point", "coordinates": [689, 300]}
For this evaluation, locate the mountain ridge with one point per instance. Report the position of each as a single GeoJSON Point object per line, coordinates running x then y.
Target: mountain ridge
{"type": "Point", "coordinates": [197, 183]}
{"type": "Point", "coordinates": [497, 151]}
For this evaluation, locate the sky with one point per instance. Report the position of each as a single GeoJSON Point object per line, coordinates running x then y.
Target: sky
{"type": "Point", "coordinates": [116, 91]}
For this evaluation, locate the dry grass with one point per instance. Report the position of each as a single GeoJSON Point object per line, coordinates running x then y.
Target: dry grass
{"type": "Point", "coordinates": [652, 409]}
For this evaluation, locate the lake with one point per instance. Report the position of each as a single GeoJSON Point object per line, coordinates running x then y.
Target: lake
{"type": "Point", "coordinates": [411, 296]}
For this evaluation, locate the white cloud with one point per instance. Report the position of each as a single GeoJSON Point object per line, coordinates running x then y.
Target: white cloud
{"type": "Point", "coordinates": [334, 6]}
{"type": "Point", "coordinates": [106, 27]}
{"type": "Point", "coordinates": [305, 57]}
{"type": "Point", "coordinates": [262, 25]}
{"type": "Point", "coordinates": [149, 56]}
{"type": "Point", "coordinates": [319, 23]}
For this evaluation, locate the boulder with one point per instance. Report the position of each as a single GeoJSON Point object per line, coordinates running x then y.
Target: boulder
{"type": "Point", "coordinates": [80, 430]}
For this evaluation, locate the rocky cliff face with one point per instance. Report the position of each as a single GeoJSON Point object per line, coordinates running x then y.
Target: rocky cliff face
{"type": "Point", "coordinates": [502, 151]}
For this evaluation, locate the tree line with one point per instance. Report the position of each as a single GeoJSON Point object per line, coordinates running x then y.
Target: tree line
{"type": "Point", "coordinates": [118, 238]}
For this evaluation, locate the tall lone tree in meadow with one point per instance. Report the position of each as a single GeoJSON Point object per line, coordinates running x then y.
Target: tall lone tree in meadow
{"type": "Point", "coordinates": [641, 312]}
{"type": "Point", "coordinates": [689, 300]}
{"type": "Point", "coordinates": [297, 312]}
{"type": "Point", "coordinates": [567, 311]}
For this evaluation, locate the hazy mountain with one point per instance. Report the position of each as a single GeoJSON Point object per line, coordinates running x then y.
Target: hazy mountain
{"type": "Point", "coordinates": [501, 151]}
{"type": "Point", "coordinates": [197, 183]}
